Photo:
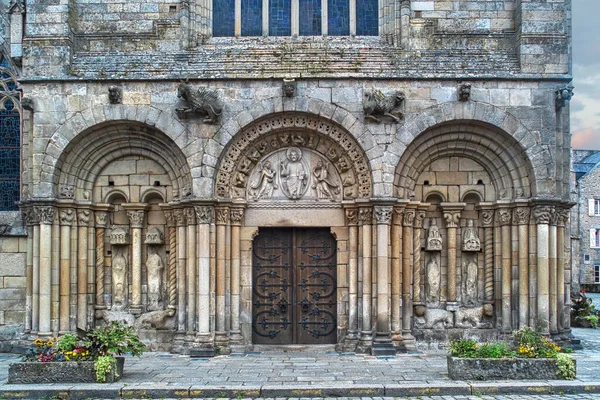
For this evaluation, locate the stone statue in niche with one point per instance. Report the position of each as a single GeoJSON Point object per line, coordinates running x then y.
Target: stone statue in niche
{"type": "Point", "coordinates": [265, 184]}
{"type": "Point", "coordinates": [119, 281]}
{"type": "Point", "coordinates": [294, 179]}
{"type": "Point", "coordinates": [470, 280]}
{"type": "Point", "coordinates": [322, 184]}
{"type": "Point", "coordinates": [377, 105]}
{"type": "Point", "coordinates": [471, 240]}
{"type": "Point", "coordinates": [433, 272]}
{"type": "Point", "coordinates": [154, 269]}
{"type": "Point", "coordinates": [203, 101]}
{"type": "Point", "coordinates": [434, 239]}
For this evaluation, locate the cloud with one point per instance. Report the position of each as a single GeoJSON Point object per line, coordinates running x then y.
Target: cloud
{"type": "Point", "coordinates": [587, 139]}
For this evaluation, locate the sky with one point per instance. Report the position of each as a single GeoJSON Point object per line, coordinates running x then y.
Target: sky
{"type": "Point", "coordinates": [585, 104]}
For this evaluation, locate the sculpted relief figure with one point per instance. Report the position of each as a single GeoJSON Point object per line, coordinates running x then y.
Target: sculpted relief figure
{"type": "Point", "coordinates": [470, 281]}
{"type": "Point", "coordinates": [119, 281]}
{"type": "Point", "coordinates": [433, 281]}
{"type": "Point", "coordinates": [471, 240]}
{"type": "Point", "coordinates": [154, 268]}
{"type": "Point", "coordinates": [294, 180]}
{"type": "Point", "coordinates": [323, 184]}
{"type": "Point", "coordinates": [434, 239]}
{"type": "Point", "coordinates": [265, 184]}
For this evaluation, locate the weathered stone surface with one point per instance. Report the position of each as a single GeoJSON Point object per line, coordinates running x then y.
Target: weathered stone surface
{"type": "Point", "coordinates": [466, 369]}
{"type": "Point", "coordinates": [60, 372]}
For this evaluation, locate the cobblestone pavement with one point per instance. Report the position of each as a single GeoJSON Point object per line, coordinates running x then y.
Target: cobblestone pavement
{"type": "Point", "coordinates": [314, 374]}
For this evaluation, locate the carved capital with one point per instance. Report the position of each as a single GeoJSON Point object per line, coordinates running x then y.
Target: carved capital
{"type": "Point", "coordinates": [204, 214]}
{"type": "Point", "coordinates": [563, 217]}
{"type": "Point", "coordinates": [45, 214]}
{"type": "Point", "coordinates": [487, 218]}
{"type": "Point", "coordinates": [419, 217]}
{"type": "Point", "coordinates": [222, 215]}
{"type": "Point", "coordinates": [66, 216]}
{"type": "Point", "coordinates": [170, 217]}
{"type": "Point", "coordinates": [383, 214]}
{"type": "Point", "coordinates": [83, 217]}
{"type": "Point", "coordinates": [504, 216]}
{"type": "Point", "coordinates": [190, 216]}
{"type": "Point", "coordinates": [409, 217]}
{"type": "Point", "coordinates": [452, 219]}
{"type": "Point", "coordinates": [554, 217]}
{"type": "Point", "coordinates": [542, 214]}
{"type": "Point", "coordinates": [236, 215]}
{"type": "Point", "coordinates": [179, 217]}
{"type": "Point", "coordinates": [101, 219]}
{"type": "Point", "coordinates": [365, 216]}
{"type": "Point", "coordinates": [352, 216]}
{"type": "Point", "coordinates": [398, 215]}
{"type": "Point", "coordinates": [521, 215]}
{"type": "Point", "coordinates": [136, 218]}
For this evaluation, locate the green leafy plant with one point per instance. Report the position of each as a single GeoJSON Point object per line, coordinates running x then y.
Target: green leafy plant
{"type": "Point", "coordinates": [103, 366]}
{"type": "Point", "coordinates": [463, 348]}
{"type": "Point", "coordinates": [593, 320]}
{"type": "Point", "coordinates": [115, 339]}
{"type": "Point", "coordinates": [565, 366]}
{"type": "Point", "coordinates": [532, 344]}
{"type": "Point", "coordinates": [583, 312]}
{"type": "Point", "coordinates": [468, 348]}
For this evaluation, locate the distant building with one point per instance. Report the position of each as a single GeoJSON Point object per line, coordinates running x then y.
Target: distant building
{"type": "Point", "coordinates": [585, 221]}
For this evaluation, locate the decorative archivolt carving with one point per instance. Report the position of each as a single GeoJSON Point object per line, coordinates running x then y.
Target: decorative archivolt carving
{"type": "Point", "coordinates": [326, 157]}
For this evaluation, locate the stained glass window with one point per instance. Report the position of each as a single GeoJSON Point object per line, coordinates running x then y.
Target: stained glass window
{"type": "Point", "coordinates": [310, 17]}
{"type": "Point", "coordinates": [10, 141]}
{"type": "Point", "coordinates": [223, 17]}
{"type": "Point", "coordinates": [367, 20]}
{"type": "Point", "coordinates": [251, 17]}
{"type": "Point", "coordinates": [280, 18]}
{"type": "Point", "coordinates": [338, 21]}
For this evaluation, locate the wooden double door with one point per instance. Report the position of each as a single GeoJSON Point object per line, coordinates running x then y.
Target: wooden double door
{"type": "Point", "coordinates": [294, 286]}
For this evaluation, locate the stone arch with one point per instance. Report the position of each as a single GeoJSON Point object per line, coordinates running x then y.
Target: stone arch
{"type": "Point", "coordinates": [281, 130]}
{"type": "Point", "coordinates": [484, 114]}
{"type": "Point", "coordinates": [88, 119]}
{"type": "Point", "coordinates": [83, 159]}
{"type": "Point", "coordinates": [504, 160]}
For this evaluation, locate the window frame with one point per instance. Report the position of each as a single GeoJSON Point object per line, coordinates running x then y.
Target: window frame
{"type": "Point", "coordinates": [596, 272]}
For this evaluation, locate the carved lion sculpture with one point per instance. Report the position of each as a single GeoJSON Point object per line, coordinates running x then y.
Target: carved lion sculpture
{"type": "Point", "coordinates": [434, 318]}
{"type": "Point", "coordinates": [202, 101]}
{"type": "Point", "coordinates": [376, 105]}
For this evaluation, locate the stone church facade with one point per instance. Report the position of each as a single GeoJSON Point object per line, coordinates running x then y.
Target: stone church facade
{"type": "Point", "coordinates": [373, 175]}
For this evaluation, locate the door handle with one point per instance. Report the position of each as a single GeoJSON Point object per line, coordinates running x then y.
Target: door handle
{"type": "Point", "coordinates": [305, 307]}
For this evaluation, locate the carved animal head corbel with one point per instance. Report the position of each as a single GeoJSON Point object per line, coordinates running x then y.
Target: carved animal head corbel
{"type": "Point", "coordinates": [115, 95]}
{"type": "Point", "coordinates": [464, 92]}
{"type": "Point", "coordinates": [289, 87]}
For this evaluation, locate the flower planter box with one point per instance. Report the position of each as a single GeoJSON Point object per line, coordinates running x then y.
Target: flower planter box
{"type": "Point", "coordinates": [60, 372]}
{"type": "Point", "coordinates": [469, 369]}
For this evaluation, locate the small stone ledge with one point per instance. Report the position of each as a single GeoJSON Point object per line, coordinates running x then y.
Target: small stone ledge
{"type": "Point", "coordinates": [483, 369]}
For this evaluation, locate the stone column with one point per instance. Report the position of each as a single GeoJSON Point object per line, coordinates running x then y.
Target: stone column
{"type": "Point", "coordinates": [66, 218]}
{"type": "Point", "coordinates": [172, 269]}
{"type": "Point", "coordinates": [28, 218]}
{"type": "Point", "coordinates": [552, 255]}
{"type": "Point", "coordinates": [563, 312]}
{"type": "Point", "coordinates": [383, 341]}
{"type": "Point", "coordinates": [181, 276]}
{"type": "Point", "coordinates": [46, 215]}
{"type": "Point", "coordinates": [504, 220]}
{"type": "Point", "coordinates": [136, 221]}
{"type": "Point", "coordinates": [407, 242]}
{"type": "Point", "coordinates": [366, 340]}
{"type": "Point", "coordinates": [417, 228]}
{"type": "Point", "coordinates": [521, 218]}
{"type": "Point", "coordinates": [204, 216]}
{"type": "Point", "coordinates": [222, 220]}
{"type": "Point", "coordinates": [35, 282]}
{"type": "Point", "coordinates": [352, 223]}
{"type": "Point", "coordinates": [487, 222]}
{"type": "Point", "coordinates": [542, 215]}
{"type": "Point", "coordinates": [190, 217]}
{"type": "Point", "coordinates": [452, 216]}
{"type": "Point", "coordinates": [55, 273]}
{"type": "Point", "coordinates": [83, 220]}
{"type": "Point", "coordinates": [396, 276]}
{"type": "Point", "coordinates": [101, 215]}
{"type": "Point", "coordinates": [236, 216]}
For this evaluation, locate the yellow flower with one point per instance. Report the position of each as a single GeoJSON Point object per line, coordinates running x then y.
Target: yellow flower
{"type": "Point", "coordinates": [49, 343]}
{"type": "Point", "coordinates": [38, 342]}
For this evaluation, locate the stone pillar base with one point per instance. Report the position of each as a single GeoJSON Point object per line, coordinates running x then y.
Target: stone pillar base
{"type": "Point", "coordinates": [350, 343]}
{"type": "Point", "coordinates": [365, 343]}
{"type": "Point", "coordinates": [222, 343]}
{"type": "Point", "coordinates": [382, 345]}
{"type": "Point", "coordinates": [409, 341]}
{"type": "Point", "coordinates": [178, 342]}
{"type": "Point", "coordinates": [398, 342]}
{"type": "Point", "coordinates": [203, 346]}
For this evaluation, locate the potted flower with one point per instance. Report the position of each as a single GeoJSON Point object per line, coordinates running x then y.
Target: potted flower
{"type": "Point", "coordinates": [529, 356]}
{"type": "Point", "coordinates": [95, 357]}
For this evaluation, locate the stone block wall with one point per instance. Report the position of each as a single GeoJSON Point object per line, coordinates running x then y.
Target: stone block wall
{"type": "Point", "coordinates": [13, 251]}
{"type": "Point", "coordinates": [588, 189]}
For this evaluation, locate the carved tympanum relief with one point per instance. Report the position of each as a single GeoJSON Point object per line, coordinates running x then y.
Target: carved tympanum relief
{"type": "Point", "coordinates": [294, 173]}
{"type": "Point", "coordinates": [252, 169]}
